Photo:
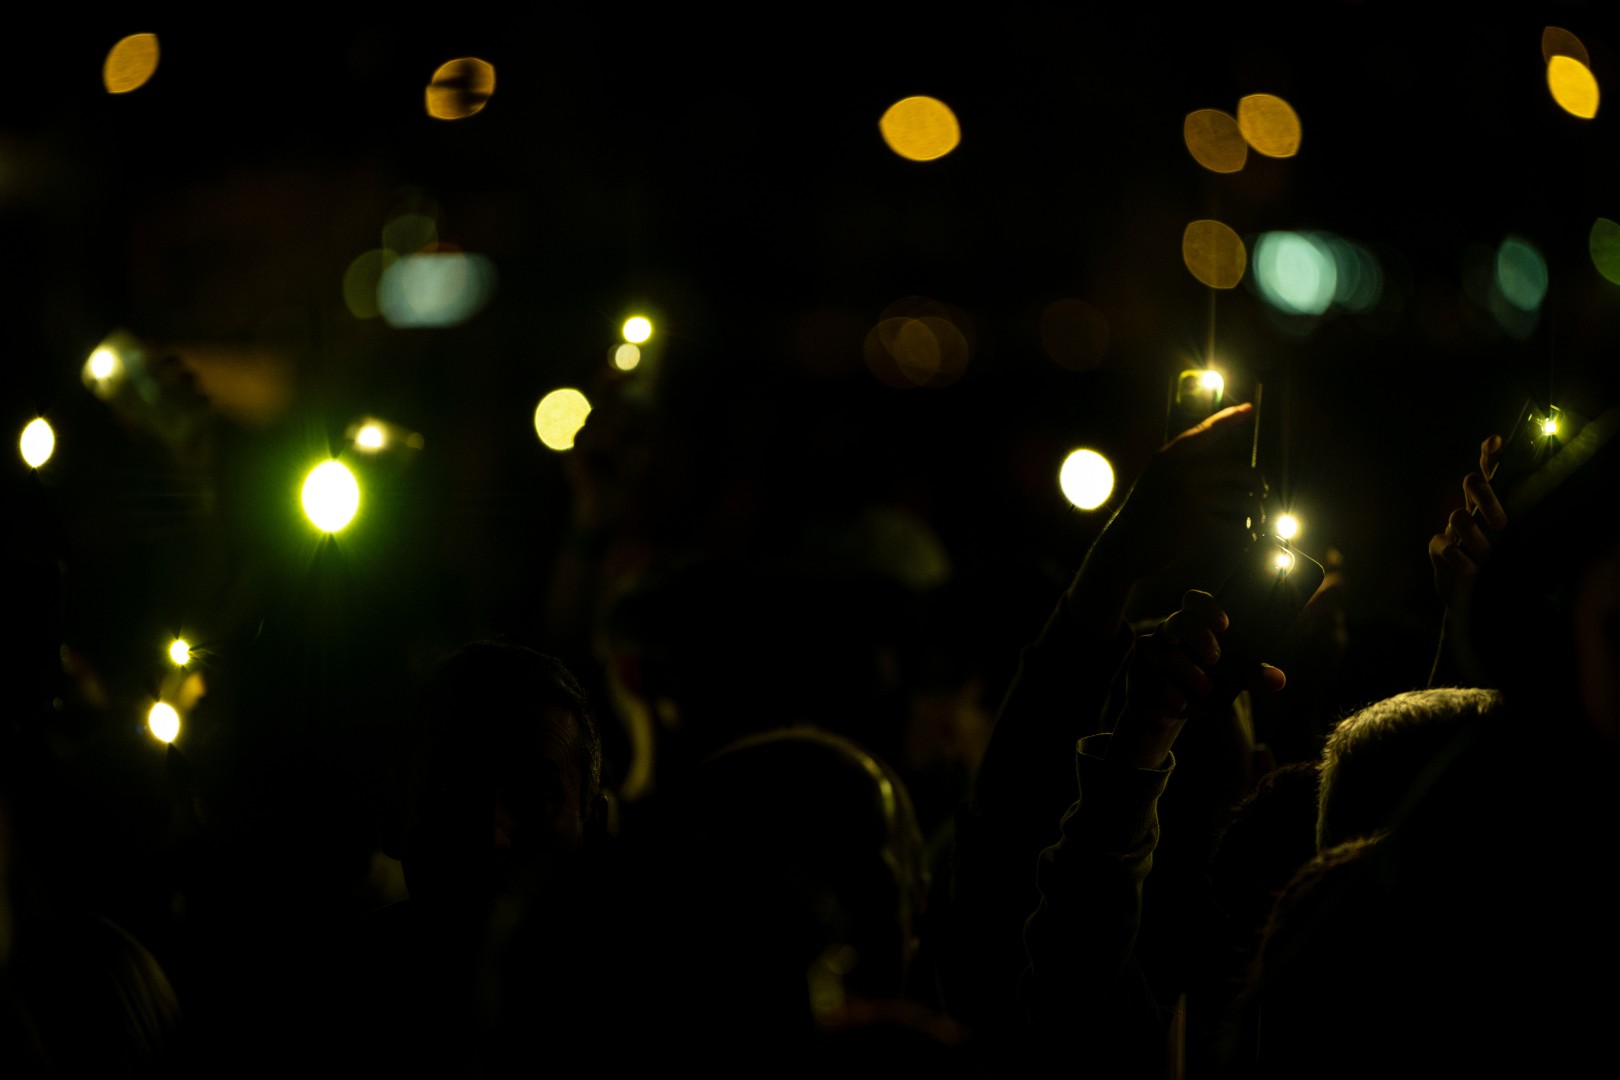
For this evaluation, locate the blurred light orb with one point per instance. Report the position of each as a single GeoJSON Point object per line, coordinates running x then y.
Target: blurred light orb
{"type": "Point", "coordinates": [920, 128]}
{"type": "Point", "coordinates": [460, 88]}
{"type": "Point", "coordinates": [1283, 561]}
{"type": "Point", "coordinates": [637, 329]}
{"type": "Point", "coordinates": [1214, 254]}
{"type": "Point", "coordinates": [38, 442]}
{"type": "Point", "coordinates": [1521, 274]}
{"type": "Point", "coordinates": [1287, 526]}
{"type": "Point", "coordinates": [1296, 272]}
{"type": "Point", "coordinates": [409, 233]}
{"type": "Point", "coordinates": [1573, 86]}
{"type": "Point", "coordinates": [1215, 141]}
{"type": "Point", "coordinates": [103, 363]}
{"type": "Point", "coordinates": [370, 437]}
{"type": "Point", "coordinates": [130, 63]}
{"type": "Point", "coordinates": [435, 289]}
{"type": "Point", "coordinates": [180, 652]}
{"type": "Point", "coordinates": [1086, 479]}
{"type": "Point", "coordinates": [1269, 124]}
{"type": "Point", "coordinates": [1212, 381]}
{"type": "Point", "coordinates": [331, 496]}
{"type": "Point", "coordinates": [559, 416]}
{"type": "Point", "coordinates": [163, 722]}
{"type": "Point", "coordinates": [626, 357]}
{"type": "Point", "coordinates": [1603, 243]}
{"type": "Point", "coordinates": [1556, 41]}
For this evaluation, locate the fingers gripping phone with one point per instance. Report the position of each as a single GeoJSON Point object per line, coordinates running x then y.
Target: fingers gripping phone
{"type": "Point", "coordinates": [1262, 597]}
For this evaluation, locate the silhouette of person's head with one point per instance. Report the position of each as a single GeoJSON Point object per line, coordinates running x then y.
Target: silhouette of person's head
{"type": "Point", "coordinates": [509, 776]}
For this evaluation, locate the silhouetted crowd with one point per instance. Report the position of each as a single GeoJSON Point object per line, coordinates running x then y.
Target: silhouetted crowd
{"type": "Point", "coordinates": [821, 817]}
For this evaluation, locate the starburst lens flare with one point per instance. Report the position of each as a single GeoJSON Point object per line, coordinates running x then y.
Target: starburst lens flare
{"type": "Point", "coordinates": [920, 128]}
{"type": "Point", "coordinates": [180, 652]}
{"type": "Point", "coordinates": [1287, 526]}
{"type": "Point", "coordinates": [38, 443]}
{"type": "Point", "coordinates": [130, 63]}
{"type": "Point", "coordinates": [331, 496]}
{"type": "Point", "coordinates": [1086, 479]}
{"type": "Point", "coordinates": [1283, 561]}
{"type": "Point", "coordinates": [559, 416]}
{"type": "Point", "coordinates": [163, 722]}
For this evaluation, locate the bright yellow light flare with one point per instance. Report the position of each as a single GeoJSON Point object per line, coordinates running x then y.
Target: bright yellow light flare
{"type": "Point", "coordinates": [1549, 426]}
{"type": "Point", "coordinates": [1214, 254]}
{"type": "Point", "coordinates": [1573, 86]}
{"type": "Point", "coordinates": [1283, 561]}
{"type": "Point", "coordinates": [559, 416]}
{"type": "Point", "coordinates": [130, 63]}
{"type": "Point", "coordinates": [626, 357]}
{"type": "Point", "coordinates": [1086, 479]}
{"type": "Point", "coordinates": [637, 329]}
{"type": "Point", "coordinates": [163, 722]}
{"type": "Point", "coordinates": [920, 128]}
{"type": "Point", "coordinates": [1556, 41]}
{"type": "Point", "coordinates": [38, 442]}
{"type": "Point", "coordinates": [1215, 141]}
{"type": "Point", "coordinates": [1269, 124]}
{"type": "Point", "coordinates": [370, 437]}
{"type": "Point", "coordinates": [1074, 334]}
{"type": "Point", "coordinates": [331, 496]}
{"type": "Point", "coordinates": [460, 88]}
{"type": "Point", "coordinates": [1287, 526]}
{"type": "Point", "coordinates": [180, 652]}
{"type": "Point", "coordinates": [103, 363]}
{"type": "Point", "coordinates": [1212, 381]}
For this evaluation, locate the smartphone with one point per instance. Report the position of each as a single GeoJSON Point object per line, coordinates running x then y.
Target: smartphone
{"type": "Point", "coordinates": [1263, 597]}
{"type": "Point", "coordinates": [1200, 393]}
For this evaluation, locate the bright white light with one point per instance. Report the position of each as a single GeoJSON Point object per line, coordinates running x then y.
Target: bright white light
{"type": "Point", "coordinates": [637, 329]}
{"type": "Point", "coordinates": [163, 721]}
{"type": "Point", "coordinates": [1549, 426]}
{"type": "Point", "coordinates": [370, 437]}
{"type": "Point", "coordinates": [1283, 561]}
{"type": "Point", "coordinates": [1296, 272]}
{"type": "Point", "coordinates": [180, 652]}
{"type": "Point", "coordinates": [1287, 526]}
{"type": "Point", "coordinates": [1212, 381]}
{"type": "Point", "coordinates": [559, 416]}
{"type": "Point", "coordinates": [437, 289]}
{"type": "Point", "coordinates": [38, 442]}
{"type": "Point", "coordinates": [331, 496]}
{"type": "Point", "coordinates": [103, 363]}
{"type": "Point", "coordinates": [626, 357]}
{"type": "Point", "coordinates": [1086, 479]}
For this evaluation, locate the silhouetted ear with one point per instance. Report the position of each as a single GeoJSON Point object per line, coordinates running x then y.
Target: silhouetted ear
{"type": "Point", "coordinates": [602, 818]}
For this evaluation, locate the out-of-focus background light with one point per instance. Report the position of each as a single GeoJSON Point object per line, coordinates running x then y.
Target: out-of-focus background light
{"type": "Point", "coordinates": [1603, 243]}
{"type": "Point", "coordinates": [460, 88]}
{"type": "Point", "coordinates": [919, 342]}
{"type": "Point", "coordinates": [130, 63]}
{"type": "Point", "coordinates": [626, 357]}
{"type": "Point", "coordinates": [1296, 272]}
{"type": "Point", "coordinates": [104, 369]}
{"type": "Point", "coordinates": [1556, 41]}
{"type": "Point", "coordinates": [1573, 86]}
{"type": "Point", "coordinates": [409, 233]}
{"type": "Point", "coordinates": [1521, 274]}
{"type": "Point", "coordinates": [1074, 334]}
{"type": "Point", "coordinates": [1215, 141]}
{"type": "Point", "coordinates": [103, 363]}
{"type": "Point", "coordinates": [637, 329]}
{"type": "Point", "coordinates": [559, 416]}
{"type": "Point", "coordinates": [1214, 254]}
{"type": "Point", "coordinates": [38, 442]}
{"type": "Point", "coordinates": [331, 496]}
{"type": "Point", "coordinates": [370, 437]}
{"type": "Point", "coordinates": [435, 290]}
{"type": "Point", "coordinates": [180, 652]}
{"type": "Point", "coordinates": [1270, 125]}
{"type": "Point", "coordinates": [361, 282]}
{"type": "Point", "coordinates": [163, 722]}
{"type": "Point", "coordinates": [920, 128]}
{"type": "Point", "coordinates": [1086, 479]}
{"type": "Point", "coordinates": [1287, 526]}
